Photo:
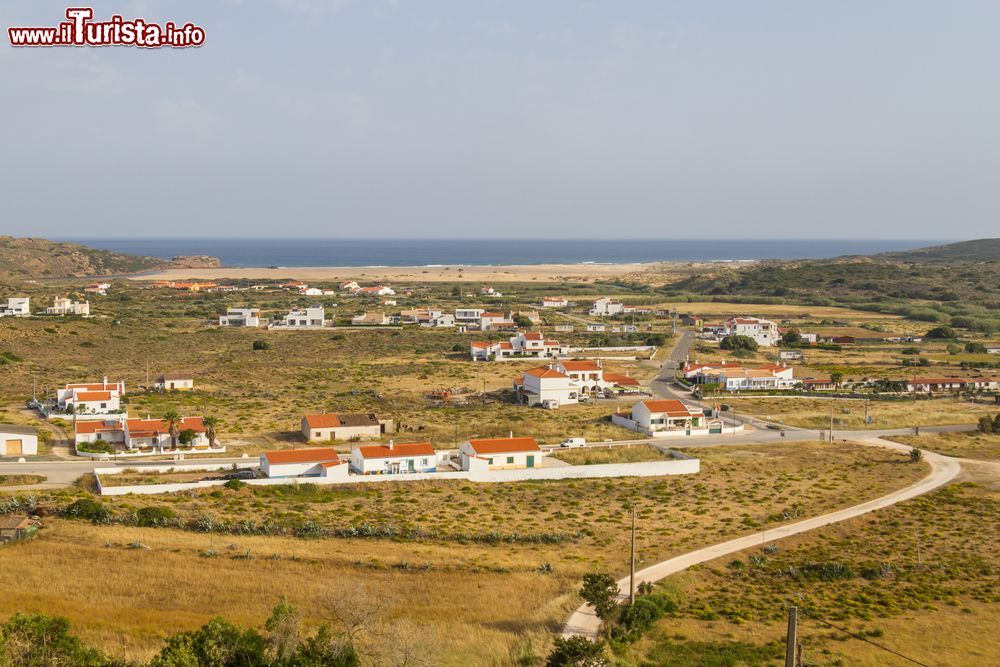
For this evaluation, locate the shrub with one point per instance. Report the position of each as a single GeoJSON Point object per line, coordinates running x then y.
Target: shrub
{"type": "Point", "coordinates": [87, 508]}
{"type": "Point", "coordinates": [38, 641]}
{"type": "Point", "coordinates": [600, 590]}
{"type": "Point", "coordinates": [975, 348]}
{"type": "Point", "coordinates": [235, 484]}
{"type": "Point", "coordinates": [261, 345]}
{"type": "Point", "coordinates": [916, 455]}
{"type": "Point", "coordinates": [941, 333]}
{"type": "Point", "coordinates": [97, 447]}
{"type": "Point", "coordinates": [154, 516]}
{"type": "Point", "coordinates": [576, 652]}
{"type": "Point", "coordinates": [738, 343]}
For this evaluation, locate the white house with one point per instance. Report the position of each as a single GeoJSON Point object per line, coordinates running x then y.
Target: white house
{"type": "Point", "coordinates": [588, 375]}
{"type": "Point", "coordinates": [313, 317]}
{"type": "Point", "coordinates": [98, 288]}
{"type": "Point", "coordinates": [240, 317]}
{"type": "Point", "coordinates": [64, 306]}
{"type": "Point", "coordinates": [993, 350]}
{"type": "Point", "coordinates": [100, 398]}
{"type": "Point", "coordinates": [491, 321]}
{"type": "Point", "coordinates": [734, 377]}
{"type": "Point", "coordinates": [311, 291]}
{"type": "Point", "coordinates": [607, 307]}
{"type": "Point", "coordinates": [765, 332]}
{"type": "Point", "coordinates": [152, 435]}
{"type": "Point", "coordinates": [350, 285]}
{"type": "Point", "coordinates": [523, 344]}
{"type": "Point", "coordinates": [490, 292]}
{"type": "Point", "coordinates": [564, 328]}
{"type": "Point", "coordinates": [16, 307]}
{"type": "Point", "coordinates": [174, 382]}
{"type": "Point", "coordinates": [468, 314]}
{"type": "Point", "coordinates": [665, 415]}
{"type": "Point", "coordinates": [344, 426]}
{"type": "Point", "coordinates": [378, 290]}
{"type": "Point", "coordinates": [596, 328]}
{"type": "Point", "coordinates": [554, 302]}
{"type": "Point", "coordinates": [547, 387]}
{"type": "Point", "coordinates": [501, 453]}
{"type": "Point", "coordinates": [393, 459]}
{"type": "Point", "coordinates": [18, 440]}
{"type": "Point", "coordinates": [299, 462]}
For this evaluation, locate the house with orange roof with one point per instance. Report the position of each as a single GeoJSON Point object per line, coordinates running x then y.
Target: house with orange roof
{"type": "Point", "coordinates": [554, 302]}
{"type": "Point", "coordinates": [345, 426]}
{"type": "Point", "coordinates": [393, 458]}
{"type": "Point", "coordinates": [587, 374]}
{"type": "Point", "coordinates": [312, 462]}
{"type": "Point", "coordinates": [662, 418]}
{"type": "Point", "coordinates": [546, 386]}
{"type": "Point", "coordinates": [522, 344]}
{"type": "Point", "coordinates": [151, 436]}
{"type": "Point", "coordinates": [98, 398]}
{"type": "Point", "coordinates": [496, 321]}
{"type": "Point", "coordinates": [765, 332]}
{"type": "Point", "coordinates": [500, 453]}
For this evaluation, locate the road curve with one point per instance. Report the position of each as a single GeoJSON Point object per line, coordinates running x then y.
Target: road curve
{"type": "Point", "coordinates": [583, 621]}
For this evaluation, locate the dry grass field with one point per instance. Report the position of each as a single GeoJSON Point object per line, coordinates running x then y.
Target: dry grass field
{"type": "Point", "coordinates": [849, 414]}
{"type": "Point", "coordinates": [594, 456]}
{"type": "Point", "coordinates": [457, 549]}
{"type": "Point", "coordinates": [972, 445]}
{"type": "Point", "coordinates": [919, 577]}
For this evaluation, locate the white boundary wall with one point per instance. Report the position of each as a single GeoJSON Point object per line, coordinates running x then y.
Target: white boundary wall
{"type": "Point", "coordinates": [678, 465]}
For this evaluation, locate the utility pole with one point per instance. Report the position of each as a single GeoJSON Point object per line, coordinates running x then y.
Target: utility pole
{"type": "Point", "coordinates": [831, 425]}
{"type": "Point", "coordinates": [866, 412]}
{"type": "Point", "coordinates": [792, 638]}
{"type": "Point", "coordinates": [631, 567]}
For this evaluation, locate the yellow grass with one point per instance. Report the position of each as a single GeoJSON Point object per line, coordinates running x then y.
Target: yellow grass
{"type": "Point", "coordinates": [144, 595]}
{"type": "Point", "coordinates": [973, 445]}
{"type": "Point", "coordinates": [595, 455]}
{"type": "Point", "coordinates": [849, 414]}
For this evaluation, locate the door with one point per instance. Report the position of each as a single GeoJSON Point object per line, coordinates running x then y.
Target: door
{"type": "Point", "coordinates": [410, 466]}
{"type": "Point", "coordinates": [531, 461]}
{"type": "Point", "coordinates": [13, 448]}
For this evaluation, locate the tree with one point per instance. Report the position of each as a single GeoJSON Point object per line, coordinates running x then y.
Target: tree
{"type": "Point", "coordinates": [600, 591]}
{"type": "Point", "coordinates": [916, 455]}
{"type": "Point", "coordinates": [576, 652]}
{"type": "Point", "coordinates": [791, 337]}
{"type": "Point", "coordinates": [523, 321]}
{"type": "Point", "coordinates": [738, 343]}
{"type": "Point", "coordinates": [218, 643]}
{"type": "Point", "coordinates": [187, 436]}
{"type": "Point", "coordinates": [173, 420]}
{"type": "Point", "coordinates": [284, 631]}
{"type": "Point", "coordinates": [975, 348]}
{"type": "Point", "coordinates": [941, 333]}
{"type": "Point", "coordinates": [211, 428]}
{"type": "Point", "coordinates": [836, 377]}
{"type": "Point", "coordinates": [37, 640]}
{"type": "Point", "coordinates": [260, 345]}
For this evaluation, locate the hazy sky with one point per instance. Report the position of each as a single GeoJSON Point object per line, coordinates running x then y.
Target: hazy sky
{"type": "Point", "coordinates": [869, 118]}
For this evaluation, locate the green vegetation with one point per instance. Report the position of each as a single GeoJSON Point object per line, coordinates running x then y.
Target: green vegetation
{"type": "Point", "coordinates": [38, 258]}
{"type": "Point", "coordinates": [618, 454]}
{"type": "Point", "coordinates": [21, 480]}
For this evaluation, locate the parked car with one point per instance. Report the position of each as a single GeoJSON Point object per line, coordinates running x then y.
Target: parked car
{"type": "Point", "coordinates": [573, 442]}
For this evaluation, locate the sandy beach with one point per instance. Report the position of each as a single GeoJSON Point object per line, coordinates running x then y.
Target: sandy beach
{"type": "Point", "coordinates": [513, 273]}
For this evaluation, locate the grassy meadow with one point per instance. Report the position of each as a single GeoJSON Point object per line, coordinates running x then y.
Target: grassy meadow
{"type": "Point", "coordinates": [451, 549]}
{"type": "Point", "coordinates": [919, 577]}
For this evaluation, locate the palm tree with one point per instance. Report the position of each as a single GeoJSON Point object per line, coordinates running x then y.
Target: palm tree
{"type": "Point", "coordinates": [173, 420]}
{"type": "Point", "coordinates": [211, 424]}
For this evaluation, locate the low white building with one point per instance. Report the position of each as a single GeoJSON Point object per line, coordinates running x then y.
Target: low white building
{"type": "Point", "coordinates": [665, 415]}
{"type": "Point", "coordinates": [501, 453]}
{"type": "Point", "coordinates": [240, 317]}
{"type": "Point", "coordinates": [554, 302]}
{"type": "Point", "coordinates": [393, 459]}
{"type": "Point", "coordinates": [344, 426]}
{"type": "Point", "coordinates": [596, 328]}
{"type": "Point", "coordinates": [377, 290]}
{"type": "Point", "coordinates": [350, 285]}
{"type": "Point", "coordinates": [18, 440]}
{"type": "Point", "coordinates": [490, 292]}
{"type": "Point", "coordinates": [564, 328]}
{"type": "Point", "coordinates": [588, 375]}
{"type": "Point", "coordinates": [523, 344]}
{"type": "Point", "coordinates": [300, 462]}
{"type": "Point", "coordinates": [147, 435]}
{"type": "Point", "coordinates": [313, 317]}
{"type": "Point", "coordinates": [174, 382]}
{"type": "Point", "coordinates": [91, 397]}
{"type": "Point", "coordinates": [16, 306]}
{"type": "Point", "coordinates": [64, 306]}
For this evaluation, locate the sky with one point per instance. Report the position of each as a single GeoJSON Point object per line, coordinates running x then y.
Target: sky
{"type": "Point", "coordinates": [516, 119]}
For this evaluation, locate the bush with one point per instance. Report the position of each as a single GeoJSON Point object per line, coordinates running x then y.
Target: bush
{"type": "Point", "coordinates": [235, 484]}
{"type": "Point", "coordinates": [738, 343]}
{"type": "Point", "coordinates": [261, 345]}
{"type": "Point", "coordinates": [576, 652]}
{"type": "Point", "coordinates": [31, 640]}
{"type": "Point", "coordinates": [97, 447]}
{"type": "Point", "coordinates": [87, 508]}
{"type": "Point", "coordinates": [154, 516]}
{"type": "Point", "coordinates": [975, 348]}
{"type": "Point", "coordinates": [941, 333]}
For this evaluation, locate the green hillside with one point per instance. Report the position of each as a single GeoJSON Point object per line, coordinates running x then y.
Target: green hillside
{"type": "Point", "coordinates": [39, 258]}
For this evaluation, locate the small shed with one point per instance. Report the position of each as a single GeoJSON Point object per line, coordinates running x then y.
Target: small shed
{"type": "Point", "coordinates": [14, 528]}
{"type": "Point", "coordinates": [18, 440]}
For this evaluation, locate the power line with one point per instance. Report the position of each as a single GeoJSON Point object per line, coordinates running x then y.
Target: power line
{"type": "Point", "coordinates": [864, 639]}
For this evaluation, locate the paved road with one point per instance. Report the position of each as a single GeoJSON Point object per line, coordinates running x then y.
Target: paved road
{"type": "Point", "coordinates": [64, 473]}
{"type": "Point", "coordinates": [584, 622]}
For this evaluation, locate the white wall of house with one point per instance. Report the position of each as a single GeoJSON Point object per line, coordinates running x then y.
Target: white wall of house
{"type": "Point", "coordinates": [240, 317]}
{"type": "Point", "coordinates": [14, 442]}
{"type": "Point", "coordinates": [16, 307]}
{"type": "Point", "coordinates": [538, 390]}
{"type": "Point", "coordinates": [175, 384]}
{"type": "Point", "coordinates": [504, 461]}
{"type": "Point", "coordinates": [373, 431]}
{"type": "Point", "coordinates": [392, 464]}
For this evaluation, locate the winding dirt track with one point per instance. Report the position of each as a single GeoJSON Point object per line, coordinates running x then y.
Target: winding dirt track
{"type": "Point", "coordinates": [583, 621]}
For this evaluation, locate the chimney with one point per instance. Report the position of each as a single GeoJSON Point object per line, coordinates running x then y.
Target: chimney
{"type": "Point", "coordinates": [511, 434]}
{"type": "Point", "coordinates": [105, 381]}
{"type": "Point", "coordinates": [391, 445]}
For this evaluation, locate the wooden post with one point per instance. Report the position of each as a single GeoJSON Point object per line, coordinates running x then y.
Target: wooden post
{"type": "Point", "coordinates": [631, 567]}
{"type": "Point", "coordinates": [792, 638]}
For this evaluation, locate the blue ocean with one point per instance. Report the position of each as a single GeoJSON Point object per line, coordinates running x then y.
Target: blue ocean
{"type": "Point", "coordinates": [429, 252]}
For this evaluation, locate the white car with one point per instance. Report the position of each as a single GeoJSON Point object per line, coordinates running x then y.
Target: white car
{"type": "Point", "coordinates": [573, 442]}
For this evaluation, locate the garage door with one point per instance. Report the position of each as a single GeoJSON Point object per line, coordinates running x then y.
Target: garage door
{"type": "Point", "coordinates": [12, 448]}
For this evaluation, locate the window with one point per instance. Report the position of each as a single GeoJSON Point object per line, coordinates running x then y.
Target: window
{"type": "Point", "coordinates": [423, 462]}
{"type": "Point", "coordinates": [510, 459]}
{"type": "Point", "coordinates": [104, 405]}
{"type": "Point", "coordinates": [317, 434]}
